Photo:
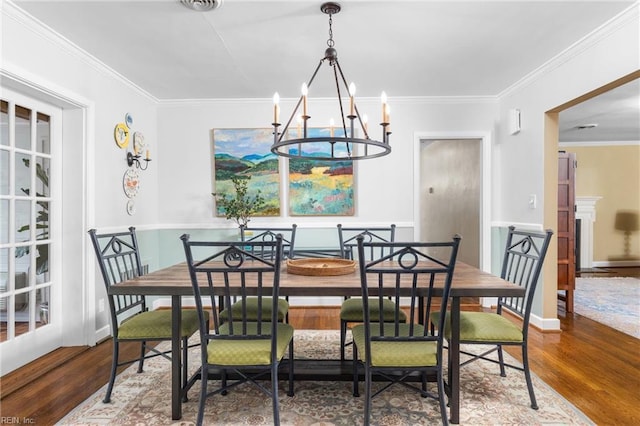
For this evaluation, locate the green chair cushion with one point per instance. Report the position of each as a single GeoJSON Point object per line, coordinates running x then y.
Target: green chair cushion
{"type": "Point", "coordinates": [236, 352]}
{"type": "Point", "coordinates": [156, 325]}
{"type": "Point", "coordinates": [396, 354]}
{"type": "Point", "coordinates": [351, 310]}
{"type": "Point", "coordinates": [483, 327]}
{"type": "Point", "coordinates": [252, 309]}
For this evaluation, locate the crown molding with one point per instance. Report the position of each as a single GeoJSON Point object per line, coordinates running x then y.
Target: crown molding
{"type": "Point", "coordinates": [12, 11]}
{"type": "Point", "coordinates": [632, 13]}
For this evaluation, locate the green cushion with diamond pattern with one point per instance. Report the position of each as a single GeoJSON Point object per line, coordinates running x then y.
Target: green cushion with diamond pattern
{"type": "Point", "coordinates": [157, 325]}
{"type": "Point", "coordinates": [351, 310]}
{"type": "Point", "coordinates": [247, 352]}
{"type": "Point", "coordinates": [252, 309]}
{"type": "Point", "coordinates": [396, 354]}
{"type": "Point", "coordinates": [483, 327]}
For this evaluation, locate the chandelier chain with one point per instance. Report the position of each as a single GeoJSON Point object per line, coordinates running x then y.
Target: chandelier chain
{"type": "Point", "coordinates": [330, 42]}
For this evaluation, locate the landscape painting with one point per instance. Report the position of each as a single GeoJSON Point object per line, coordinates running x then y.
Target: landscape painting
{"type": "Point", "coordinates": [246, 153]}
{"type": "Point", "coordinates": [317, 187]}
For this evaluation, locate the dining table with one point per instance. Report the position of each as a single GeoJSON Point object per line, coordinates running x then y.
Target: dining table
{"type": "Point", "coordinates": [175, 282]}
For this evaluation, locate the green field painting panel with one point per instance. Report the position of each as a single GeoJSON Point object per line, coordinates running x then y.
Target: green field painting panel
{"type": "Point", "coordinates": [246, 152]}
{"type": "Point", "coordinates": [321, 188]}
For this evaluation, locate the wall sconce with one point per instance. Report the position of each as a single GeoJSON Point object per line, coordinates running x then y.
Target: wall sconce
{"type": "Point", "coordinates": [138, 146]}
{"type": "Point", "coordinates": [134, 159]}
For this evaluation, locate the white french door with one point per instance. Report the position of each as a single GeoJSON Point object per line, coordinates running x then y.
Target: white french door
{"type": "Point", "coordinates": [30, 217]}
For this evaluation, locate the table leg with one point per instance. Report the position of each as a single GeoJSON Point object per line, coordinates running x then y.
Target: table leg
{"type": "Point", "coordinates": [454, 368]}
{"type": "Point", "coordinates": [176, 370]}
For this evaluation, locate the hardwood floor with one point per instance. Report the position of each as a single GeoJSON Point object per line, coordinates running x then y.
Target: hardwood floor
{"type": "Point", "coordinates": [593, 366]}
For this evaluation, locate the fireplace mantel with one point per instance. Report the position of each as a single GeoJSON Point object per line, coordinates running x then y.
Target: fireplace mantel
{"type": "Point", "coordinates": [586, 212]}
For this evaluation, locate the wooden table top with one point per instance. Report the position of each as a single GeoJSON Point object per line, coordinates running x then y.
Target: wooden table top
{"type": "Point", "coordinates": [468, 281]}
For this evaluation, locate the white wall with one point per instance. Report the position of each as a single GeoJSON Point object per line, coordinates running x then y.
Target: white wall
{"type": "Point", "coordinates": [384, 186]}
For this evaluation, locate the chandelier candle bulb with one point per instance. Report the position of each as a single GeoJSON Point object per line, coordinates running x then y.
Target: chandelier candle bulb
{"type": "Point", "coordinates": [383, 99]}
{"type": "Point", "coordinates": [331, 124]}
{"type": "Point", "coordinates": [276, 107]}
{"type": "Point", "coordinates": [305, 92]}
{"type": "Point", "coordinates": [352, 93]}
{"type": "Point", "coordinates": [148, 156]}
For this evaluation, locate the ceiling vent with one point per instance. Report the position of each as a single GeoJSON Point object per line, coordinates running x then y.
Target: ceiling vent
{"type": "Point", "coordinates": [202, 5]}
{"type": "Point", "coordinates": [586, 126]}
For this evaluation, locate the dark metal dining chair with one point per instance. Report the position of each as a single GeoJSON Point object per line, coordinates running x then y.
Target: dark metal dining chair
{"type": "Point", "coordinates": [351, 308]}
{"type": "Point", "coordinates": [242, 344]}
{"type": "Point", "coordinates": [131, 321]}
{"type": "Point", "coordinates": [416, 277]}
{"type": "Point", "coordinates": [522, 262]}
{"type": "Point", "coordinates": [249, 234]}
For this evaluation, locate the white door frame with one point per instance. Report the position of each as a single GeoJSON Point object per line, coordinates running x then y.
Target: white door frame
{"type": "Point", "coordinates": [485, 187]}
{"type": "Point", "coordinates": [78, 128]}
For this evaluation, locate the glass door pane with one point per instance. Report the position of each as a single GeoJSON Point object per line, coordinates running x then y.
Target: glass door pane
{"type": "Point", "coordinates": [27, 291]}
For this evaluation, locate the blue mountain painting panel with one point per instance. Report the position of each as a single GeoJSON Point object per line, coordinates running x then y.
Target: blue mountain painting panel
{"type": "Point", "coordinates": [246, 153]}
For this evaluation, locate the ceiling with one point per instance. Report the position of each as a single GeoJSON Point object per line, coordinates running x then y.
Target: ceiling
{"type": "Point", "coordinates": [251, 49]}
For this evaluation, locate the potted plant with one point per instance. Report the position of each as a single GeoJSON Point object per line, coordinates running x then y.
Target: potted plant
{"type": "Point", "coordinates": [241, 206]}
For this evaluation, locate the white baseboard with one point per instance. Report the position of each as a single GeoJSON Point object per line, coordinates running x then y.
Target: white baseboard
{"type": "Point", "coordinates": [615, 263]}
{"type": "Point", "coordinates": [103, 333]}
{"type": "Point", "coordinates": [545, 324]}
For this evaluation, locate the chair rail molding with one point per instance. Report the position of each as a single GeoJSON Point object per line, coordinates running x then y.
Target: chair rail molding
{"type": "Point", "coordinates": [586, 212]}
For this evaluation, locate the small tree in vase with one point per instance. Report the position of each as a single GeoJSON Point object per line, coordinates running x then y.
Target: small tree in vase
{"type": "Point", "coordinates": [241, 207]}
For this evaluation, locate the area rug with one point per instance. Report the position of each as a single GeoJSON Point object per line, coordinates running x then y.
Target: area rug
{"type": "Point", "coordinates": [486, 399]}
{"type": "Point", "coordinates": [613, 301]}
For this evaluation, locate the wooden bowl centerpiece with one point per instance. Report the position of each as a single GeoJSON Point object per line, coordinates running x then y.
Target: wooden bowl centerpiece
{"type": "Point", "coordinates": [321, 266]}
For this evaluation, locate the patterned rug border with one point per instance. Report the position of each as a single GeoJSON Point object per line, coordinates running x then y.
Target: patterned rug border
{"type": "Point", "coordinates": [486, 399]}
{"type": "Point", "coordinates": [613, 305]}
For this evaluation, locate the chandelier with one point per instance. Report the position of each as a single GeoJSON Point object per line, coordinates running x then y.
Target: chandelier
{"type": "Point", "coordinates": [339, 143]}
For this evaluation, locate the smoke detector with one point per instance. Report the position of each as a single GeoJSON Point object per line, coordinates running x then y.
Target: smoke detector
{"type": "Point", "coordinates": [202, 5]}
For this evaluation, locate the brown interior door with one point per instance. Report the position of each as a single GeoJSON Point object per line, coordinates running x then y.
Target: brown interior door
{"type": "Point", "coordinates": [566, 227]}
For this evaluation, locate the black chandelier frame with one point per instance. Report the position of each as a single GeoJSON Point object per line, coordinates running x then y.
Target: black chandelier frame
{"type": "Point", "coordinates": [368, 148]}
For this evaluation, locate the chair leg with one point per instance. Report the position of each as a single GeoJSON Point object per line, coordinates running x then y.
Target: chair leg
{"type": "Point", "coordinates": [114, 367]}
{"type": "Point", "coordinates": [343, 338]}
{"type": "Point", "coordinates": [204, 374]}
{"type": "Point", "coordinates": [291, 363]}
{"type": "Point", "coordinates": [223, 382]}
{"type": "Point", "coordinates": [527, 375]}
{"type": "Point", "coordinates": [441, 399]}
{"type": "Point", "coordinates": [274, 395]}
{"type": "Point", "coordinates": [367, 394]}
{"type": "Point", "coordinates": [501, 359]}
{"type": "Point", "coordinates": [356, 391]}
{"type": "Point", "coordinates": [143, 346]}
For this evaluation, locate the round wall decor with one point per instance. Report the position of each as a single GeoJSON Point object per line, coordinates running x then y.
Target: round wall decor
{"type": "Point", "coordinates": [130, 183]}
{"type": "Point", "coordinates": [121, 135]}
